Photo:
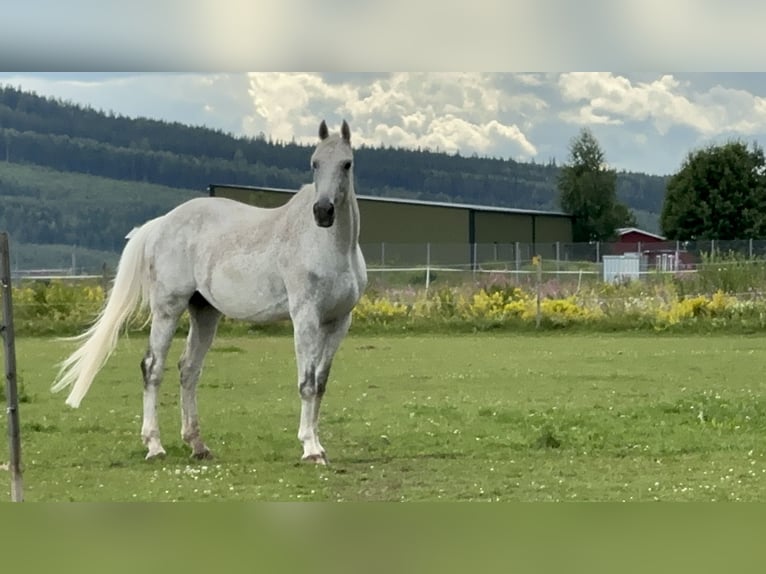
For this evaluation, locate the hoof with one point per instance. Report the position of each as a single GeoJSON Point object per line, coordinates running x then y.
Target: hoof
{"type": "Point", "coordinates": [202, 455]}
{"type": "Point", "coordinates": [316, 458]}
{"type": "Point", "coordinates": [156, 454]}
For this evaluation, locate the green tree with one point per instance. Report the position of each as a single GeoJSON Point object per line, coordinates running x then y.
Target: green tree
{"type": "Point", "coordinates": [719, 193]}
{"type": "Point", "coordinates": [587, 190]}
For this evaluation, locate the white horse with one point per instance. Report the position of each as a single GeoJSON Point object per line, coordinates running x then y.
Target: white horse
{"type": "Point", "coordinates": [214, 257]}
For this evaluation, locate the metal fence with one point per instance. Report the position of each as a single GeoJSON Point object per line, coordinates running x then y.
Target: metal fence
{"type": "Point", "coordinates": [603, 260]}
{"type": "Point", "coordinates": [516, 259]}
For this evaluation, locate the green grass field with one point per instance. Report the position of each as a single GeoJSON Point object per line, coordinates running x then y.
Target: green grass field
{"type": "Point", "coordinates": [544, 417]}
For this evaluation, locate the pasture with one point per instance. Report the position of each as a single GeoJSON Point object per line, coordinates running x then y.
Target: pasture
{"type": "Point", "coordinates": [500, 417]}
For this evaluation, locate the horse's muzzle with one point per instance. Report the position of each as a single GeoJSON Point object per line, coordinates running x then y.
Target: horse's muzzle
{"type": "Point", "coordinates": [324, 213]}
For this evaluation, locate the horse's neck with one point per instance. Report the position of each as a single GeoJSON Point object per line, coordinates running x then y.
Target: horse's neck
{"type": "Point", "coordinates": [346, 228]}
{"type": "Point", "coordinates": [354, 214]}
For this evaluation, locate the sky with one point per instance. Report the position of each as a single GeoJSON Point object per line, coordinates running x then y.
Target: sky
{"type": "Point", "coordinates": [645, 122]}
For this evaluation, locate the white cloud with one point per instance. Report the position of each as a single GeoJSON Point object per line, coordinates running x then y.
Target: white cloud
{"type": "Point", "coordinates": [665, 103]}
{"type": "Point", "coordinates": [587, 116]}
{"type": "Point", "coordinates": [286, 105]}
{"type": "Point", "coordinates": [523, 116]}
{"type": "Point", "coordinates": [735, 110]}
{"type": "Point", "coordinates": [448, 111]}
{"type": "Point", "coordinates": [613, 98]}
{"type": "Point", "coordinates": [530, 79]}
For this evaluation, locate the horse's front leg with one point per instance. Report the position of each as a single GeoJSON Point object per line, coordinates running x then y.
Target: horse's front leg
{"type": "Point", "coordinates": [315, 346]}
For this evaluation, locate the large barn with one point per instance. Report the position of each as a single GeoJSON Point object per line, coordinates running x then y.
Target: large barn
{"type": "Point", "coordinates": [447, 227]}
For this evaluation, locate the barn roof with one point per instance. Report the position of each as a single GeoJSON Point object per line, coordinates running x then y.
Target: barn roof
{"type": "Point", "coordinates": [469, 206]}
{"type": "Point", "coordinates": [625, 230]}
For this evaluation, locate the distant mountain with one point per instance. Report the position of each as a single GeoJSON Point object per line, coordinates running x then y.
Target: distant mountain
{"type": "Point", "coordinates": [73, 175]}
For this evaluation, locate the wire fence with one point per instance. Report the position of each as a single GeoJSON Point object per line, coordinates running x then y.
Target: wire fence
{"type": "Point", "coordinates": [678, 254]}
{"type": "Point", "coordinates": [594, 261]}
{"type": "Point", "coordinates": [610, 262]}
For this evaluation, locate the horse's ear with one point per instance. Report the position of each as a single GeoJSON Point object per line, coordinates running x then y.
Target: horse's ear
{"type": "Point", "coordinates": [323, 133]}
{"type": "Point", "coordinates": [345, 131]}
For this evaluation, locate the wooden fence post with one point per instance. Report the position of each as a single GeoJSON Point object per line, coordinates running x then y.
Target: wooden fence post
{"type": "Point", "coordinates": [11, 391]}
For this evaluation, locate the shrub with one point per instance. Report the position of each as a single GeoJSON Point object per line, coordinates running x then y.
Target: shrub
{"type": "Point", "coordinates": [60, 308]}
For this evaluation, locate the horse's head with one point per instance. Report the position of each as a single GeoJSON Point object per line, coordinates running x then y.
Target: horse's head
{"type": "Point", "coordinates": [332, 163]}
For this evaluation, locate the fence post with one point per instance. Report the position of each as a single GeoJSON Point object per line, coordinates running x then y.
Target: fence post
{"type": "Point", "coordinates": [428, 265]}
{"type": "Point", "coordinates": [11, 391]}
{"type": "Point", "coordinates": [750, 248]}
{"type": "Point", "coordinates": [474, 263]}
{"type": "Point", "coordinates": [558, 258]}
{"type": "Point", "coordinates": [382, 254]}
{"type": "Point", "coordinates": [537, 260]}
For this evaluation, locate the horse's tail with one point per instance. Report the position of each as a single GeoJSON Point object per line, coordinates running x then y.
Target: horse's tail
{"type": "Point", "coordinates": [129, 288]}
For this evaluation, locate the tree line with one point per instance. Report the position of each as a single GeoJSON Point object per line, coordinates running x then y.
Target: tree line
{"type": "Point", "coordinates": [718, 193]}
{"type": "Point", "coordinates": [68, 137]}
{"type": "Point", "coordinates": [41, 206]}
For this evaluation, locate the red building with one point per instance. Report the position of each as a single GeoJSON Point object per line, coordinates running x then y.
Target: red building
{"type": "Point", "coordinates": [656, 250]}
{"type": "Point", "coordinates": [629, 239]}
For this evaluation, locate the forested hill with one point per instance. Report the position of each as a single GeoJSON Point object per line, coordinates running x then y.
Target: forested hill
{"type": "Point", "coordinates": [79, 142]}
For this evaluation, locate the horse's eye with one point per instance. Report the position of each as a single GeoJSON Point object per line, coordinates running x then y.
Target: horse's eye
{"type": "Point", "coordinates": [347, 165]}
{"type": "Point", "coordinates": [315, 164]}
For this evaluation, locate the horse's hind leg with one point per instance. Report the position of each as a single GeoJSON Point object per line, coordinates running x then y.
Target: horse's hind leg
{"type": "Point", "coordinates": [203, 324]}
{"type": "Point", "coordinates": [315, 345]}
{"type": "Point", "coordinates": [164, 322]}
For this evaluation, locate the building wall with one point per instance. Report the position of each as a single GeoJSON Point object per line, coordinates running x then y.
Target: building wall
{"type": "Point", "coordinates": [552, 228]}
{"type": "Point", "coordinates": [493, 227]}
{"type": "Point", "coordinates": [652, 247]}
{"type": "Point", "coordinates": [403, 223]}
